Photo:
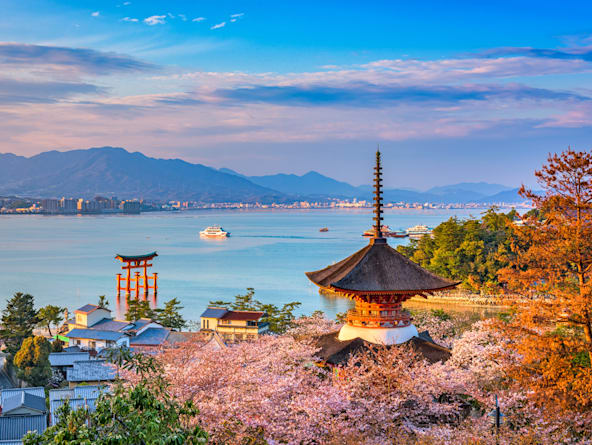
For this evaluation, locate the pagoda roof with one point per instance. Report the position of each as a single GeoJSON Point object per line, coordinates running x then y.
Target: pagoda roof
{"type": "Point", "coordinates": [147, 256]}
{"type": "Point", "coordinates": [378, 268]}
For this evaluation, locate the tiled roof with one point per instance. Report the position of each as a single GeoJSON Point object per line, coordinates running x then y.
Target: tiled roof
{"type": "Point", "coordinates": [8, 393]}
{"type": "Point", "coordinates": [243, 315]}
{"type": "Point", "coordinates": [88, 308]}
{"type": "Point", "coordinates": [67, 358]}
{"type": "Point", "coordinates": [108, 324]}
{"type": "Point", "coordinates": [78, 392]}
{"type": "Point", "coordinates": [91, 371]}
{"type": "Point", "coordinates": [150, 337]}
{"type": "Point", "coordinates": [23, 400]}
{"type": "Point", "coordinates": [92, 334]}
{"type": "Point", "coordinates": [214, 312]}
{"type": "Point", "coordinates": [15, 427]}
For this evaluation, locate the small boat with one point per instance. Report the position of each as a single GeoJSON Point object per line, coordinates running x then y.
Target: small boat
{"type": "Point", "coordinates": [419, 231]}
{"type": "Point", "coordinates": [386, 232]}
{"type": "Point", "coordinates": [324, 229]}
{"type": "Point", "coordinates": [214, 232]}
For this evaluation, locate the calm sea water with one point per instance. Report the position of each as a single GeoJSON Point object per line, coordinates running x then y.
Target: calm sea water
{"type": "Point", "coordinates": [69, 260]}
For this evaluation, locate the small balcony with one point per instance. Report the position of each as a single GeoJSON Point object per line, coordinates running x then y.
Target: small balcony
{"type": "Point", "coordinates": [378, 319]}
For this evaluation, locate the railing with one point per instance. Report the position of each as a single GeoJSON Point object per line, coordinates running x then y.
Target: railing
{"type": "Point", "coordinates": [364, 319]}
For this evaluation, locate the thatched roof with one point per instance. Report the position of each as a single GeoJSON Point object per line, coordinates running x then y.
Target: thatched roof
{"type": "Point", "coordinates": [379, 268]}
{"type": "Point", "coordinates": [335, 352]}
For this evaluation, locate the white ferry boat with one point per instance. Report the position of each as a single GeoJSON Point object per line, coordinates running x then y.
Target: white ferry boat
{"type": "Point", "coordinates": [214, 232]}
{"type": "Point", "coordinates": [417, 232]}
{"type": "Point", "coordinates": [386, 232]}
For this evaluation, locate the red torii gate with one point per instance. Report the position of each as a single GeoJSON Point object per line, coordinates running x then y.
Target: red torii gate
{"type": "Point", "coordinates": [138, 281]}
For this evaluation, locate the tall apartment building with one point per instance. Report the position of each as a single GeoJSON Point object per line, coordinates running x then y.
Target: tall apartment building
{"type": "Point", "coordinates": [50, 205]}
{"type": "Point", "coordinates": [68, 205]}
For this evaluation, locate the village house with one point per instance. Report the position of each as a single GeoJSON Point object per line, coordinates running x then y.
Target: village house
{"type": "Point", "coordinates": [234, 325]}
{"type": "Point", "coordinates": [93, 328]}
{"type": "Point", "coordinates": [22, 410]}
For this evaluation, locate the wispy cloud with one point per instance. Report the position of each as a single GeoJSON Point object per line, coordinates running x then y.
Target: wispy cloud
{"type": "Point", "coordinates": [182, 17]}
{"type": "Point", "coordinates": [76, 60]}
{"type": "Point", "coordinates": [576, 53]}
{"type": "Point", "coordinates": [218, 25]}
{"type": "Point", "coordinates": [95, 14]}
{"type": "Point", "coordinates": [366, 96]}
{"type": "Point", "coordinates": [198, 19]}
{"type": "Point", "coordinates": [235, 17]}
{"type": "Point", "coordinates": [155, 20]}
{"type": "Point", "coordinates": [129, 19]}
{"type": "Point", "coordinates": [13, 91]}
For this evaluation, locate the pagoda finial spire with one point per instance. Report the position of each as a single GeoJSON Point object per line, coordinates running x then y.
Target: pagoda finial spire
{"type": "Point", "coordinates": [378, 197]}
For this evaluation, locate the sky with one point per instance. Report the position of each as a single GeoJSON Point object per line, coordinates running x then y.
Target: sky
{"type": "Point", "coordinates": [450, 91]}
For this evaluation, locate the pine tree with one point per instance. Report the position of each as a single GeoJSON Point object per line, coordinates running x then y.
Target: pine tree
{"type": "Point", "coordinates": [18, 321]}
{"type": "Point", "coordinates": [170, 315]}
{"type": "Point", "coordinates": [49, 315]}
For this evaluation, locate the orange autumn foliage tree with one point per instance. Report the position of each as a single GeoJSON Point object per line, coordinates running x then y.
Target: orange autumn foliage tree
{"type": "Point", "coordinates": [551, 263]}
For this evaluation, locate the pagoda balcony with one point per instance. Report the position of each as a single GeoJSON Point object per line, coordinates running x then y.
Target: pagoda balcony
{"type": "Point", "coordinates": [378, 319]}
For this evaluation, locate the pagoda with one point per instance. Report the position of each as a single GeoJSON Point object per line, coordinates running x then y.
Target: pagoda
{"type": "Point", "coordinates": [378, 279]}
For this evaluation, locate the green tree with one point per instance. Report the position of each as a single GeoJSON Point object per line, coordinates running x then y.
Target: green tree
{"type": "Point", "coordinates": [19, 318]}
{"type": "Point", "coordinates": [32, 361]}
{"type": "Point", "coordinates": [145, 413]}
{"type": "Point", "coordinates": [49, 315]}
{"type": "Point", "coordinates": [137, 309]}
{"type": "Point", "coordinates": [103, 302]}
{"type": "Point", "coordinates": [471, 251]}
{"type": "Point", "coordinates": [170, 315]}
{"type": "Point", "coordinates": [279, 319]}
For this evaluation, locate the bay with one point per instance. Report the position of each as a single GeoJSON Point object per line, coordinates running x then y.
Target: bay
{"type": "Point", "coordinates": [70, 260]}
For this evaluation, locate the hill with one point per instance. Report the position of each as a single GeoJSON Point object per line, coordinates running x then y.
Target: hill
{"type": "Point", "coordinates": [113, 171]}
{"type": "Point", "coordinates": [311, 184]}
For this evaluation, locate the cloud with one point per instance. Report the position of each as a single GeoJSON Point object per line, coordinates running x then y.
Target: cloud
{"type": "Point", "coordinates": [237, 16]}
{"type": "Point", "coordinates": [155, 20]}
{"type": "Point", "coordinates": [79, 60]}
{"type": "Point", "coordinates": [578, 53]}
{"type": "Point", "coordinates": [14, 91]}
{"type": "Point", "coordinates": [218, 25]}
{"type": "Point", "coordinates": [182, 17]}
{"type": "Point", "coordinates": [198, 19]}
{"type": "Point", "coordinates": [129, 19]}
{"type": "Point", "coordinates": [95, 14]}
{"type": "Point", "coordinates": [368, 95]}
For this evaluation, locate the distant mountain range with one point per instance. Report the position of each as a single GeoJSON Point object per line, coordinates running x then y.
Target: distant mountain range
{"type": "Point", "coordinates": [110, 171]}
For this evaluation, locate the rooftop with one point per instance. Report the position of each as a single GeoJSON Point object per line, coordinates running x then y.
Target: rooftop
{"type": "Point", "coordinates": [243, 315]}
{"type": "Point", "coordinates": [214, 312]}
{"type": "Point", "coordinates": [67, 358]}
{"type": "Point", "coordinates": [93, 334]}
{"type": "Point", "coordinates": [23, 400]}
{"type": "Point", "coordinates": [150, 337]}
{"type": "Point", "coordinates": [378, 268]}
{"type": "Point", "coordinates": [147, 256]}
{"type": "Point", "coordinates": [336, 352]}
{"type": "Point", "coordinates": [88, 308]}
{"type": "Point", "coordinates": [91, 371]}
{"type": "Point", "coordinates": [8, 393]}
{"type": "Point", "coordinates": [108, 324]}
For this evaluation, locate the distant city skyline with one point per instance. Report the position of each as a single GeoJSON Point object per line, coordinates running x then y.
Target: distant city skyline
{"type": "Point", "coordinates": [455, 92]}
